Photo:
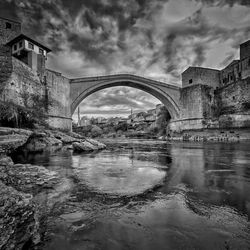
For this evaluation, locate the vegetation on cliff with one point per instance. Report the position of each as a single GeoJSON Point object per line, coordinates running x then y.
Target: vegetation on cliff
{"type": "Point", "coordinates": [33, 112]}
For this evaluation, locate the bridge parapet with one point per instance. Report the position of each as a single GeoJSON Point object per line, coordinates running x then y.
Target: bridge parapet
{"type": "Point", "coordinates": [124, 75]}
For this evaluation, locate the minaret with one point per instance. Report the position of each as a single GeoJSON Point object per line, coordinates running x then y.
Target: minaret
{"type": "Point", "coordinates": [79, 118]}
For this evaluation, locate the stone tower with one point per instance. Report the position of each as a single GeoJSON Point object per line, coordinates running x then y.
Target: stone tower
{"type": "Point", "coordinates": [9, 29]}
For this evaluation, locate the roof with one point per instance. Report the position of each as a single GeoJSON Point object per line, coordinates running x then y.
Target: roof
{"type": "Point", "coordinates": [232, 63]}
{"type": "Point", "coordinates": [245, 43]}
{"type": "Point", "coordinates": [200, 68]}
{"type": "Point", "coordinates": [10, 20]}
{"type": "Point", "coordinates": [22, 36]}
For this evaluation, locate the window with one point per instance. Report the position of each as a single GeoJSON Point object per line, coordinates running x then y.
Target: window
{"type": "Point", "coordinates": [190, 81]}
{"type": "Point", "coordinates": [41, 51]}
{"type": "Point", "coordinates": [15, 47]}
{"type": "Point", "coordinates": [240, 75]}
{"type": "Point", "coordinates": [31, 46]}
{"type": "Point", "coordinates": [20, 44]}
{"type": "Point", "coordinates": [7, 25]}
{"type": "Point", "coordinates": [231, 77]}
{"type": "Point", "coordinates": [233, 97]}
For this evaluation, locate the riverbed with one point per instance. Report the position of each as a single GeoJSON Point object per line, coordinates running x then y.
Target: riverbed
{"type": "Point", "coordinates": [148, 194]}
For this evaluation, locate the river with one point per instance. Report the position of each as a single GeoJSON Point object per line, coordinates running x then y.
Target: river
{"type": "Point", "coordinates": [149, 195]}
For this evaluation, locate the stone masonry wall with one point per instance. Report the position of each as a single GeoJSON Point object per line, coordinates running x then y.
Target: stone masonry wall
{"type": "Point", "coordinates": [191, 100]}
{"type": "Point", "coordinates": [199, 75]}
{"type": "Point", "coordinates": [205, 108]}
{"type": "Point", "coordinates": [5, 67]}
{"type": "Point", "coordinates": [6, 34]}
{"type": "Point", "coordinates": [58, 90]}
{"type": "Point", "coordinates": [198, 110]}
{"type": "Point", "coordinates": [196, 106]}
{"type": "Point", "coordinates": [18, 83]}
{"type": "Point", "coordinates": [233, 102]}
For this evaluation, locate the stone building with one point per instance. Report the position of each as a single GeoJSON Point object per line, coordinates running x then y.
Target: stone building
{"type": "Point", "coordinates": [198, 75]}
{"type": "Point", "coordinates": [9, 29]}
{"type": "Point", "coordinates": [85, 121]}
{"type": "Point", "coordinates": [25, 79]}
{"type": "Point", "coordinates": [237, 69]}
{"type": "Point", "coordinates": [29, 51]}
{"type": "Point", "coordinates": [216, 99]}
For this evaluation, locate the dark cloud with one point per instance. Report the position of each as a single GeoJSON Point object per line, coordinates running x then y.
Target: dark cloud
{"type": "Point", "coordinates": [156, 38]}
{"type": "Point", "coordinates": [230, 3]}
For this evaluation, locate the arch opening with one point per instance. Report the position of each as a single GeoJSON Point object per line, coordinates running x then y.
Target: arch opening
{"type": "Point", "coordinates": [121, 112]}
{"type": "Point", "coordinates": [155, 91]}
{"type": "Point", "coordinates": [118, 101]}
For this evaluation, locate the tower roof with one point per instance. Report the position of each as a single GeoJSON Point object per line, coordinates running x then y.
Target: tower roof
{"type": "Point", "coordinates": [23, 36]}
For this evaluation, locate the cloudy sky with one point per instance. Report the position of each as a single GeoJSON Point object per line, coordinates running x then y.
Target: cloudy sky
{"type": "Point", "coordinates": [154, 38]}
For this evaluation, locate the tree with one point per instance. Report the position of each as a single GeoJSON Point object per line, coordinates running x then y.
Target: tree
{"type": "Point", "coordinates": [96, 131]}
{"type": "Point", "coordinates": [162, 120]}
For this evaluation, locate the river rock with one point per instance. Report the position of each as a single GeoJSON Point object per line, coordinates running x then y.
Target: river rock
{"type": "Point", "coordinates": [83, 146]}
{"type": "Point", "coordinates": [98, 144]}
{"type": "Point", "coordinates": [17, 218]}
{"type": "Point", "coordinates": [12, 131]}
{"type": "Point", "coordinates": [66, 139]}
{"type": "Point", "coordinates": [39, 141]}
{"type": "Point", "coordinates": [12, 138]}
{"type": "Point", "coordinates": [25, 177]}
{"type": "Point", "coordinates": [9, 143]}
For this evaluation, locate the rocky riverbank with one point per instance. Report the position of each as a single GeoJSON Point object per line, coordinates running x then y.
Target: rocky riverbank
{"type": "Point", "coordinates": [23, 208]}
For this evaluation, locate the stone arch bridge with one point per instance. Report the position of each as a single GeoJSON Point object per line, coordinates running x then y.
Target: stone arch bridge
{"type": "Point", "coordinates": [168, 94]}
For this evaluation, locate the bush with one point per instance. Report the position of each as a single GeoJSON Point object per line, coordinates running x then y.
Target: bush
{"type": "Point", "coordinates": [13, 115]}
{"type": "Point", "coordinates": [96, 131]}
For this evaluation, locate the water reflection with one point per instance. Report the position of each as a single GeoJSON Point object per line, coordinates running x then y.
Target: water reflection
{"type": "Point", "coordinates": [201, 200]}
{"type": "Point", "coordinates": [117, 174]}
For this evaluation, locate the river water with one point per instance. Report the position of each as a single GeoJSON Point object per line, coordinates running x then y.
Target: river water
{"type": "Point", "coordinates": [149, 195]}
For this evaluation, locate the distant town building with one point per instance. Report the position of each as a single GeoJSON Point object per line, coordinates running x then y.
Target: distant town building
{"type": "Point", "coordinates": [85, 121]}
{"type": "Point", "coordinates": [152, 111]}
{"type": "Point", "coordinates": [158, 108]}
{"type": "Point", "coordinates": [150, 117]}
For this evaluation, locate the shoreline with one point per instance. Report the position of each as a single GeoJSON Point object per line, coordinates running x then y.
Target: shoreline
{"type": "Point", "coordinates": [23, 187]}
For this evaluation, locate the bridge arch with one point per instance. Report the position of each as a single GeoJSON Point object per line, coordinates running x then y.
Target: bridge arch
{"type": "Point", "coordinates": [167, 94]}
